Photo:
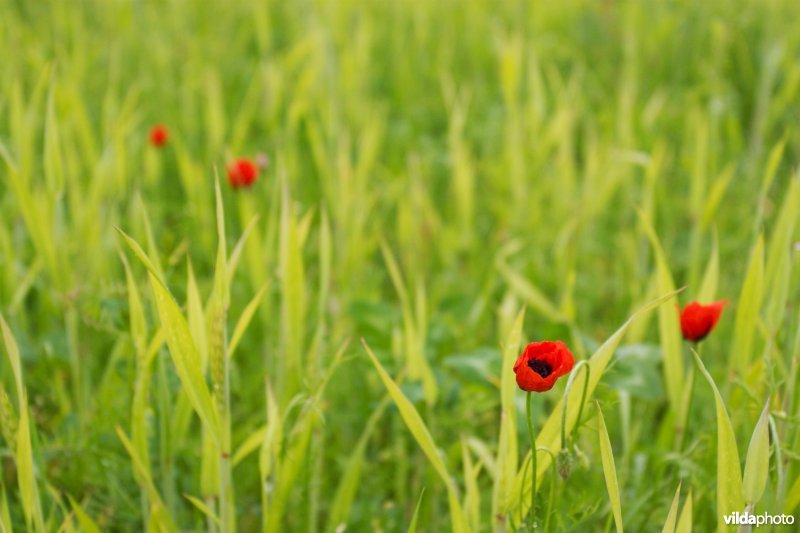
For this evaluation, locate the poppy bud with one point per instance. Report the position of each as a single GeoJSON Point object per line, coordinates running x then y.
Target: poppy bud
{"type": "Point", "coordinates": [541, 364]}
{"type": "Point", "coordinates": [697, 320]}
{"type": "Point", "coordinates": [159, 135]}
{"type": "Point", "coordinates": [242, 173]}
{"type": "Point", "coordinates": [564, 462]}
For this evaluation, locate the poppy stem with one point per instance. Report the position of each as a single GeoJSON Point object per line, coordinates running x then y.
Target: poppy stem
{"type": "Point", "coordinates": [532, 436]}
{"type": "Point", "coordinates": [567, 389]}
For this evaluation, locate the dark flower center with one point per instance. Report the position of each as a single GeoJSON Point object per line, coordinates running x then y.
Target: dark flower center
{"type": "Point", "coordinates": [540, 367]}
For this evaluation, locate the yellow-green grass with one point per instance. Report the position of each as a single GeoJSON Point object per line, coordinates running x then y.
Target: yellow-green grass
{"type": "Point", "coordinates": [447, 181]}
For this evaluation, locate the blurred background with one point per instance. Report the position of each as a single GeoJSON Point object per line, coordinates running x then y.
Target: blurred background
{"type": "Point", "coordinates": [433, 168]}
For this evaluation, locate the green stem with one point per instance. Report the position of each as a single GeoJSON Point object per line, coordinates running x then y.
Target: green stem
{"type": "Point", "coordinates": [584, 364]}
{"type": "Point", "coordinates": [552, 487]}
{"type": "Point", "coordinates": [532, 436]}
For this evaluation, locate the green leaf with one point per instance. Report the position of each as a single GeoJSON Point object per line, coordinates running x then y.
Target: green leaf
{"type": "Point", "coordinates": [530, 293]}
{"type": "Point", "coordinates": [196, 316]}
{"type": "Point", "coordinates": [293, 295]}
{"type": "Point", "coordinates": [28, 489]}
{"type": "Point", "coordinates": [244, 320]}
{"type": "Point", "coordinates": [747, 310]}
{"type": "Point", "coordinates": [756, 467]}
{"type": "Point", "coordinates": [412, 527]}
{"type": "Point", "coordinates": [729, 474]}
{"type": "Point", "coordinates": [672, 516]}
{"type": "Point", "coordinates": [708, 287]}
{"type": "Point", "coordinates": [143, 474]}
{"type": "Point", "coordinates": [414, 342]}
{"type": "Point", "coordinates": [236, 254]}
{"type": "Point", "coordinates": [507, 452]}
{"type": "Point", "coordinates": [87, 525]}
{"type": "Point", "coordinates": [13, 357]}
{"type": "Point", "coordinates": [472, 494]}
{"type": "Point", "coordinates": [351, 477]}
{"type": "Point", "coordinates": [779, 255]}
{"type": "Point", "coordinates": [184, 355]}
{"type": "Point", "coordinates": [685, 519]}
{"type": "Point", "coordinates": [668, 324]}
{"type": "Point", "coordinates": [250, 444]}
{"type": "Point", "coordinates": [203, 508]}
{"type": "Point", "coordinates": [23, 454]}
{"type": "Point", "coordinates": [424, 439]}
{"type": "Point", "coordinates": [609, 469]}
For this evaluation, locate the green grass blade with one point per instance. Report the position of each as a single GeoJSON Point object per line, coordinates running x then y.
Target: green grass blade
{"type": "Point", "coordinates": [747, 311]}
{"type": "Point", "coordinates": [609, 469]}
{"type": "Point", "coordinates": [86, 523]}
{"type": "Point", "coordinates": [23, 453]}
{"type": "Point", "coordinates": [672, 516]}
{"type": "Point", "coordinates": [424, 439]}
{"type": "Point", "coordinates": [348, 486]}
{"type": "Point", "coordinates": [708, 286]}
{"type": "Point", "coordinates": [195, 316]}
{"type": "Point", "coordinates": [668, 325]}
{"type": "Point", "coordinates": [472, 494]}
{"type": "Point", "coordinates": [506, 469]}
{"type": "Point", "coordinates": [12, 351]}
{"type": "Point", "coordinates": [203, 508]}
{"type": "Point", "coordinates": [412, 526]}
{"type": "Point", "coordinates": [144, 474]}
{"type": "Point", "coordinates": [779, 256]}
{"type": "Point", "coordinates": [756, 467]}
{"type": "Point", "coordinates": [244, 320]}
{"type": "Point", "coordinates": [530, 293]}
{"type": "Point", "coordinates": [685, 518]}
{"type": "Point", "coordinates": [293, 296]}
{"type": "Point", "coordinates": [729, 473]}
{"type": "Point", "coordinates": [29, 492]}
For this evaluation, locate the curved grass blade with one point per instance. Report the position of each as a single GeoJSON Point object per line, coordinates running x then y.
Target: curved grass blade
{"type": "Point", "coordinates": [668, 325]}
{"type": "Point", "coordinates": [348, 486]}
{"type": "Point", "coordinates": [672, 516]}
{"type": "Point", "coordinates": [507, 452]}
{"type": "Point", "coordinates": [609, 469]}
{"type": "Point", "coordinates": [756, 467]}
{"type": "Point", "coordinates": [747, 310]}
{"type": "Point", "coordinates": [729, 474]}
{"type": "Point", "coordinates": [424, 439]}
{"type": "Point", "coordinates": [685, 519]}
{"type": "Point", "coordinates": [412, 527]}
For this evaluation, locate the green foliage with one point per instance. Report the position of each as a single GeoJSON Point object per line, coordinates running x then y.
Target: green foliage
{"type": "Point", "coordinates": [446, 180]}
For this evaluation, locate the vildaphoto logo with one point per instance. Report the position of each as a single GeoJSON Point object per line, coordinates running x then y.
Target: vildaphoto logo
{"type": "Point", "coordinates": [763, 519]}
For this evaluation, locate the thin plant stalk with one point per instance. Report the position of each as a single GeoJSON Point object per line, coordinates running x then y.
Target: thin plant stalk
{"type": "Point", "coordinates": [581, 364]}
{"type": "Point", "coordinates": [532, 436]}
{"type": "Point", "coordinates": [551, 496]}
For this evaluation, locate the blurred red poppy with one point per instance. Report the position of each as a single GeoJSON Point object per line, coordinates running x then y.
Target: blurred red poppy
{"type": "Point", "coordinates": [541, 364]}
{"type": "Point", "coordinates": [159, 135]}
{"type": "Point", "coordinates": [242, 173]}
{"type": "Point", "coordinates": [697, 320]}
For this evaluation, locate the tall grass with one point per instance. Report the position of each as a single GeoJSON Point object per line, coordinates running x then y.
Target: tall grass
{"type": "Point", "coordinates": [447, 181]}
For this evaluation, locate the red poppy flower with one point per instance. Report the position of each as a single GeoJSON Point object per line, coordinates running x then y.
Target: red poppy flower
{"type": "Point", "coordinates": [541, 364]}
{"type": "Point", "coordinates": [697, 320]}
{"type": "Point", "coordinates": [242, 173]}
{"type": "Point", "coordinates": [159, 135]}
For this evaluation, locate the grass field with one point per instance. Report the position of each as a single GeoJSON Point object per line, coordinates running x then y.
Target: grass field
{"type": "Point", "coordinates": [331, 348]}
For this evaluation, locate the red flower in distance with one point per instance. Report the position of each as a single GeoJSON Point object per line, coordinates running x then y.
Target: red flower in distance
{"type": "Point", "coordinates": [159, 135]}
{"type": "Point", "coordinates": [697, 320]}
{"type": "Point", "coordinates": [541, 364]}
{"type": "Point", "coordinates": [242, 173]}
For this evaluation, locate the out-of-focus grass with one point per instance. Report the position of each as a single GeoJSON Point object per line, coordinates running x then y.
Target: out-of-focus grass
{"type": "Point", "coordinates": [434, 168]}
